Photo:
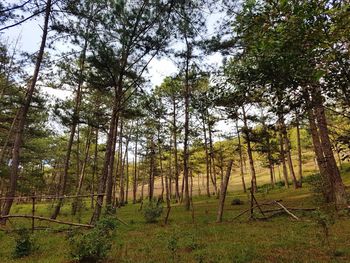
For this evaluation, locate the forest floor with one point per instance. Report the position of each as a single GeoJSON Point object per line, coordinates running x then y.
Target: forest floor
{"type": "Point", "coordinates": [278, 239]}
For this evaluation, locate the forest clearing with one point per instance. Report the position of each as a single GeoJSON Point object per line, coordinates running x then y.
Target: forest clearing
{"type": "Point", "coordinates": [174, 131]}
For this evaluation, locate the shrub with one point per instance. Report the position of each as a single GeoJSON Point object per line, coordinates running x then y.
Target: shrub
{"type": "Point", "coordinates": [24, 244]}
{"type": "Point", "coordinates": [236, 201]}
{"type": "Point", "coordinates": [94, 245]}
{"type": "Point", "coordinates": [324, 219]}
{"type": "Point", "coordinates": [319, 188]}
{"type": "Point", "coordinates": [173, 246]}
{"type": "Point", "coordinates": [280, 184]}
{"type": "Point", "coordinates": [152, 211]}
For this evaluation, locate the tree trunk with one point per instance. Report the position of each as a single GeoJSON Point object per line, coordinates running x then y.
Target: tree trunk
{"type": "Point", "coordinates": [207, 162]}
{"type": "Point", "coordinates": [283, 161]}
{"type": "Point", "coordinates": [78, 154]}
{"type": "Point", "coordinates": [338, 189]}
{"type": "Point", "coordinates": [223, 190]}
{"type": "Point", "coordinates": [249, 151]}
{"type": "Point", "coordinates": [300, 160]}
{"type": "Point", "coordinates": [106, 164]}
{"type": "Point", "coordinates": [160, 161]}
{"type": "Point", "coordinates": [177, 193]}
{"type": "Point", "coordinates": [127, 176]}
{"type": "Point", "coordinates": [110, 180]}
{"type": "Point", "coordinates": [75, 121]}
{"type": "Point", "coordinates": [151, 171]}
{"type": "Point", "coordinates": [269, 157]}
{"type": "Point", "coordinates": [124, 175]}
{"type": "Point", "coordinates": [8, 137]}
{"type": "Point", "coordinates": [167, 192]}
{"type": "Point", "coordinates": [288, 153]}
{"type": "Point", "coordinates": [82, 172]}
{"type": "Point", "coordinates": [95, 169]}
{"type": "Point", "coordinates": [22, 118]}
{"type": "Point", "coordinates": [135, 179]}
{"type": "Point", "coordinates": [240, 158]}
{"type": "Point", "coordinates": [121, 166]}
{"type": "Point", "coordinates": [212, 159]}
{"type": "Point", "coordinates": [186, 126]}
{"type": "Point", "coordinates": [322, 165]}
{"type": "Point", "coordinates": [142, 187]}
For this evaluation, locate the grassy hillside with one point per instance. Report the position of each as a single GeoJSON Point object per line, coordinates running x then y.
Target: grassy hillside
{"type": "Point", "coordinates": [279, 239]}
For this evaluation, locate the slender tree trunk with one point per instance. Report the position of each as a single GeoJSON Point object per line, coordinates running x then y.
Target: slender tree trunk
{"type": "Point", "coordinates": [127, 176]}
{"type": "Point", "coordinates": [249, 151]}
{"type": "Point", "coordinates": [160, 161]}
{"type": "Point", "coordinates": [22, 118]}
{"type": "Point", "coordinates": [177, 193]}
{"type": "Point", "coordinates": [269, 157]}
{"type": "Point", "coordinates": [124, 172]}
{"type": "Point", "coordinates": [300, 159]}
{"type": "Point", "coordinates": [207, 162]}
{"type": "Point", "coordinates": [106, 164]}
{"type": "Point", "coordinates": [78, 154]}
{"type": "Point", "coordinates": [167, 191]}
{"type": "Point", "coordinates": [75, 121]}
{"type": "Point", "coordinates": [223, 190]}
{"type": "Point", "coordinates": [338, 189]}
{"type": "Point", "coordinates": [171, 169]}
{"type": "Point", "coordinates": [212, 159]}
{"type": "Point", "coordinates": [142, 188]}
{"type": "Point", "coordinates": [151, 171]}
{"type": "Point", "coordinates": [186, 126]}
{"type": "Point", "coordinates": [283, 161]}
{"type": "Point", "coordinates": [82, 172]}
{"type": "Point", "coordinates": [121, 166]}
{"type": "Point", "coordinates": [7, 140]}
{"type": "Point", "coordinates": [240, 158]}
{"type": "Point", "coordinates": [110, 180]}
{"type": "Point", "coordinates": [95, 169]}
{"type": "Point", "coordinates": [319, 155]}
{"type": "Point", "coordinates": [135, 179]}
{"type": "Point", "coordinates": [288, 153]}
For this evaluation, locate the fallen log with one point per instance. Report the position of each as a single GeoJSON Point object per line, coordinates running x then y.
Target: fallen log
{"type": "Point", "coordinates": [289, 208]}
{"type": "Point", "coordinates": [282, 208]}
{"type": "Point", "coordinates": [287, 211]}
{"type": "Point", "coordinates": [47, 219]}
{"type": "Point", "coordinates": [247, 210]}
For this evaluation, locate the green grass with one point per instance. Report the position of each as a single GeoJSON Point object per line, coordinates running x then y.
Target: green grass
{"type": "Point", "coordinates": [280, 239]}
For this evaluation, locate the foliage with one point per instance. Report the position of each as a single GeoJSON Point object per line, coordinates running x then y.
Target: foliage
{"type": "Point", "coordinates": [93, 245]}
{"type": "Point", "coordinates": [318, 186]}
{"type": "Point", "coordinates": [173, 246]}
{"type": "Point", "coordinates": [24, 244]}
{"type": "Point", "coordinates": [152, 211]}
{"type": "Point", "coordinates": [237, 201]}
{"type": "Point", "coordinates": [324, 219]}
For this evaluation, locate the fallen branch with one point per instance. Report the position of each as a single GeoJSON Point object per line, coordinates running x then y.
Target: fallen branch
{"type": "Point", "coordinates": [289, 208]}
{"type": "Point", "coordinates": [245, 211]}
{"type": "Point", "coordinates": [47, 219]}
{"type": "Point", "coordinates": [287, 211]}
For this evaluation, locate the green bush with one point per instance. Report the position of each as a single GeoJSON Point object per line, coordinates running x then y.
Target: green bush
{"type": "Point", "coordinates": [280, 184]}
{"type": "Point", "coordinates": [236, 201]}
{"type": "Point", "coordinates": [24, 244]}
{"type": "Point", "coordinates": [94, 245]}
{"type": "Point", "coordinates": [319, 188]}
{"type": "Point", "coordinates": [173, 246]}
{"type": "Point", "coordinates": [152, 211]}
